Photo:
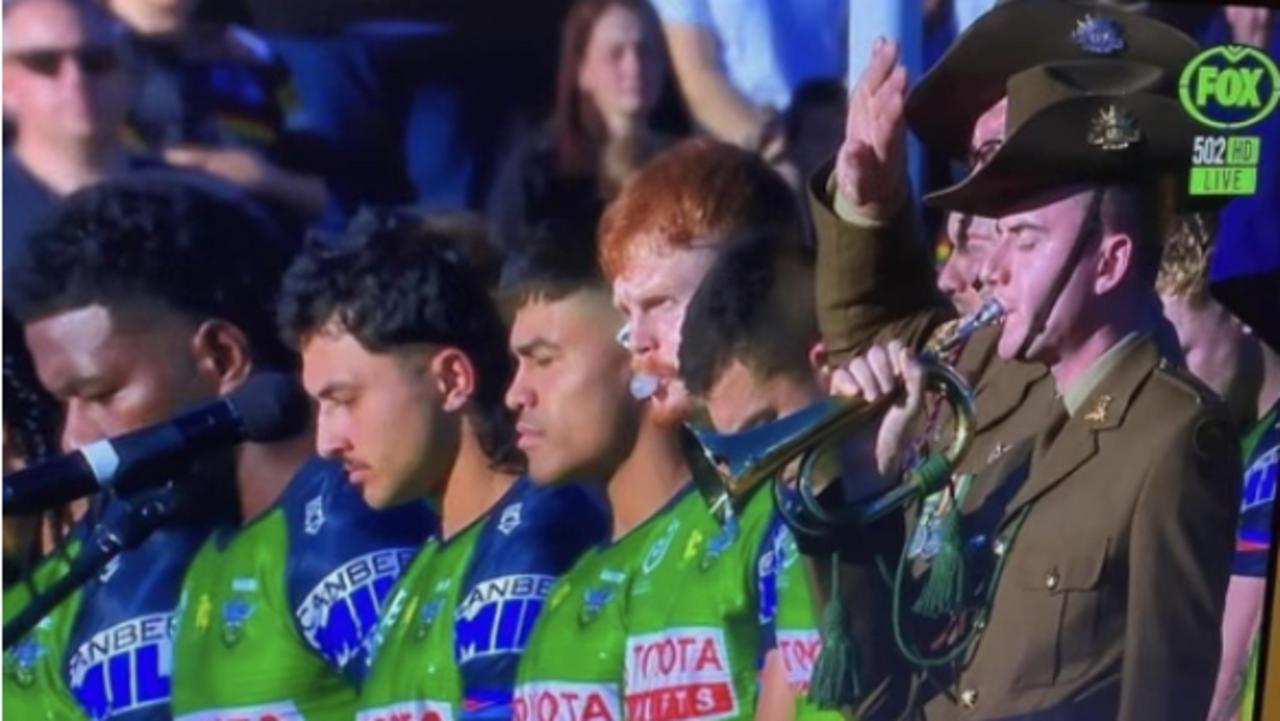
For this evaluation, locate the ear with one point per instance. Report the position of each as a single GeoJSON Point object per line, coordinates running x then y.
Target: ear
{"type": "Point", "coordinates": [1115, 260]}
{"type": "Point", "coordinates": [455, 378]}
{"type": "Point", "coordinates": [818, 359]}
{"type": "Point", "coordinates": [221, 352]}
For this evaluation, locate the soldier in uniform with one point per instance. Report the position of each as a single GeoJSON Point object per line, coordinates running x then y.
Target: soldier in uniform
{"type": "Point", "coordinates": [1099, 545]}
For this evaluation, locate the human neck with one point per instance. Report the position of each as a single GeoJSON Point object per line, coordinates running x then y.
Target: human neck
{"type": "Point", "coordinates": [263, 471]}
{"type": "Point", "coordinates": [646, 479]}
{"type": "Point", "coordinates": [1270, 391]}
{"type": "Point", "coordinates": [622, 127]}
{"type": "Point", "coordinates": [70, 167]}
{"type": "Point", "coordinates": [1124, 315]}
{"type": "Point", "coordinates": [472, 486]}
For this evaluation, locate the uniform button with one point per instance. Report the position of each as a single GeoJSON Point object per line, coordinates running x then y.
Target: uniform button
{"type": "Point", "coordinates": [981, 623]}
{"type": "Point", "coordinates": [1051, 580]}
{"type": "Point", "coordinates": [1000, 547]}
{"type": "Point", "coordinates": [969, 698]}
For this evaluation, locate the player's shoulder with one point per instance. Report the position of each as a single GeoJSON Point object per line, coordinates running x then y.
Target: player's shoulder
{"type": "Point", "coordinates": [532, 507]}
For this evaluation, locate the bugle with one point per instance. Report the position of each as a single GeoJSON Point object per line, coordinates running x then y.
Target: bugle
{"type": "Point", "coordinates": [729, 467]}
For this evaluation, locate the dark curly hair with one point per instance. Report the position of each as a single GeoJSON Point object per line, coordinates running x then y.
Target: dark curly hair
{"type": "Point", "coordinates": [390, 282]}
{"type": "Point", "coordinates": [32, 423]}
{"type": "Point", "coordinates": [557, 259]}
{"type": "Point", "coordinates": [204, 251]}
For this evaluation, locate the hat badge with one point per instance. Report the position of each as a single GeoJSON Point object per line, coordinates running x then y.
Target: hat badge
{"type": "Point", "coordinates": [1098, 35]}
{"type": "Point", "coordinates": [1113, 128]}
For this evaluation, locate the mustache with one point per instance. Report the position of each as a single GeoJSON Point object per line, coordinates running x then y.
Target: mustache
{"type": "Point", "coordinates": [656, 367]}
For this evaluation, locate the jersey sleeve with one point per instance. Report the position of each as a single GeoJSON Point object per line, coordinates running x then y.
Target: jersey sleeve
{"type": "Point", "coordinates": [766, 569]}
{"type": "Point", "coordinates": [343, 559]}
{"type": "Point", "coordinates": [528, 542]}
{"type": "Point", "coordinates": [1257, 499]}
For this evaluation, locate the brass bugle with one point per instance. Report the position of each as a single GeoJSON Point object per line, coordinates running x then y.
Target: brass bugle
{"type": "Point", "coordinates": [729, 467]}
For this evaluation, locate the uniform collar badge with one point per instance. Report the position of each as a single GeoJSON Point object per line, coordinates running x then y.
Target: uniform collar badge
{"type": "Point", "coordinates": [1098, 35]}
{"type": "Point", "coordinates": [997, 452]}
{"type": "Point", "coordinates": [1113, 128]}
{"type": "Point", "coordinates": [1098, 414]}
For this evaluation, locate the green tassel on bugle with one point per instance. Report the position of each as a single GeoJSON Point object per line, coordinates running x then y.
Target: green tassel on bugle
{"type": "Point", "coordinates": [945, 588]}
{"type": "Point", "coordinates": [837, 678]}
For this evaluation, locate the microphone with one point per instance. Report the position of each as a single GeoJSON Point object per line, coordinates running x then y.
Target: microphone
{"type": "Point", "coordinates": [268, 407]}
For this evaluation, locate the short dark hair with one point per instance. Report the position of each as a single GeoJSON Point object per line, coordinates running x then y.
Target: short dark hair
{"type": "Point", "coordinates": [392, 283]}
{"type": "Point", "coordinates": [557, 259]}
{"type": "Point", "coordinates": [755, 305]}
{"type": "Point", "coordinates": [1135, 209]}
{"type": "Point", "coordinates": [202, 250]}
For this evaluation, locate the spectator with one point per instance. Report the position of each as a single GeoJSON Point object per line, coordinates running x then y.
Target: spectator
{"type": "Point", "coordinates": [612, 67]}
{"type": "Point", "coordinates": [739, 61]}
{"type": "Point", "coordinates": [31, 429]}
{"type": "Point", "coordinates": [1219, 350]}
{"type": "Point", "coordinates": [66, 95]}
{"type": "Point", "coordinates": [210, 98]}
{"type": "Point", "coordinates": [815, 123]}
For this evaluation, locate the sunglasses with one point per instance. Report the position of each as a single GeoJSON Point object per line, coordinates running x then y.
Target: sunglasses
{"type": "Point", "coordinates": [48, 62]}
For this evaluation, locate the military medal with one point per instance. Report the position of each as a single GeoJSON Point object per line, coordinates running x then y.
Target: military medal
{"type": "Point", "coordinates": [234, 614]}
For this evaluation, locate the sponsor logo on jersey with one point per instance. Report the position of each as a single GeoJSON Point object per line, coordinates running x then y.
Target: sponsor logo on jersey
{"type": "Point", "coordinates": [779, 553]}
{"type": "Point", "coordinates": [409, 711]}
{"type": "Point", "coordinates": [340, 611]}
{"type": "Point", "coordinates": [109, 570]}
{"type": "Point", "coordinates": [659, 548]}
{"type": "Point", "coordinates": [497, 614]}
{"type": "Point", "coordinates": [510, 518]}
{"type": "Point", "coordinates": [680, 673]}
{"type": "Point", "coordinates": [314, 520]}
{"type": "Point", "coordinates": [799, 651]}
{"type": "Point", "coordinates": [125, 667]}
{"type": "Point", "coordinates": [566, 702]}
{"type": "Point", "coordinates": [285, 711]}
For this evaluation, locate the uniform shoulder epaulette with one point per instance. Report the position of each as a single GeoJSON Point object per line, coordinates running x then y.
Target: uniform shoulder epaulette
{"type": "Point", "coordinates": [1181, 380]}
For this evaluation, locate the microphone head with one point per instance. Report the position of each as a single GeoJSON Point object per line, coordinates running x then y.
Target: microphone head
{"type": "Point", "coordinates": [271, 405]}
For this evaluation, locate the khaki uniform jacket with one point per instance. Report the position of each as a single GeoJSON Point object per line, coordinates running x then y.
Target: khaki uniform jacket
{"type": "Point", "coordinates": [1110, 599]}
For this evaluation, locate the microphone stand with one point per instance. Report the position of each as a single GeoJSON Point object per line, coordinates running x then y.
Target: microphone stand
{"type": "Point", "coordinates": [125, 525]}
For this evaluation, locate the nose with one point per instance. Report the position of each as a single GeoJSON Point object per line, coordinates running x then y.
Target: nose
{"type": "Point", "coordinates": [643, 338]}
{"type": "Point", "coordinates": [519, 395]}
{"type": "Point", "coordinates": [995, 269]}
{"type": "Point", "coordinates": [632, 61]}
{"type": "Point", "coordinates": [331, 441]}
{"type": "Point", "coordinates": [951, 279]}
{"type": "Point", "coordinates": [70, 72]}
{"type": "Point", "coordinates": [78, 428]}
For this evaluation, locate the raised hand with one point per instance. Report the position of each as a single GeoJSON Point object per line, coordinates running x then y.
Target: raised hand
{"type": "Point", "coordinates": [871, 163]}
